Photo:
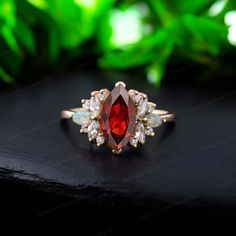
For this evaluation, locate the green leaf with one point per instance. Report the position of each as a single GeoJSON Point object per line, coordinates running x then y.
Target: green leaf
{"type": "Point", "coordinates": [189, 6]}
{"type": "Point", "coordinates": [162, 11]}
{"type": "Point", "coordinates": [54, 46]}
{"type": "Point", "coordinates": [7, 12]}
{"type": "Point", "coordinates": [207, 35]}
{"type": "Point", "coordinates": [142, 53]}
{"type": "Point", "coordinates": [71, 26]}
{"type": "Point", "coordinates": [156, 71]}
{"type": "Point", "coordinates": [5, 77]}
{"type": "Point", "coordinates": [25, 36]}
{"type": "Point", "coordinates": [10, 39]}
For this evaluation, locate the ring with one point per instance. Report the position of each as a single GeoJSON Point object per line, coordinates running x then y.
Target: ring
{"type": "Point", "coordinates": [118, 118]}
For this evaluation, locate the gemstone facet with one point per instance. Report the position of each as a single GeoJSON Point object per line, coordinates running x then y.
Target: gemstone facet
{"type": "Point", "coordinates": [140, 132]}
{"type": "Point", "coordinates": [95, 105]}
{"type": "Point", "coordinates": [118, 118]}
{"type": "Point", "coordinates": [142, 107]}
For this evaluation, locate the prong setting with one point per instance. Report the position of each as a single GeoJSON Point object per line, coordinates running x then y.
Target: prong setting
{"type": "Point", "coordinates": [117, 151]}
{"type": "Point", "coordinates": [146, 118]}
{"type": "Point", "coordinates": [120, 83]}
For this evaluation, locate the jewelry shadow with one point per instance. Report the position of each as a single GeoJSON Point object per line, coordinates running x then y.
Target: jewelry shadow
{"type": "Point", "coordinates": [167, 131]}
{"type": "Point", "coordinates": [129, 164]}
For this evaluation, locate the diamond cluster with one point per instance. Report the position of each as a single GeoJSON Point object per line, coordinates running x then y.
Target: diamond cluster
{"type": "Point", "coordinates": [144, 124]}
{"type": "Point", "coordinates": [88, 117]}
{"type": "Point", "coordinates": [117, 117]}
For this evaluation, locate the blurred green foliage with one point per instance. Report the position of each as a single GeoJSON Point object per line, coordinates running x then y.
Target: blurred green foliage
{"type": "Point", "coordinates": [127, 34]}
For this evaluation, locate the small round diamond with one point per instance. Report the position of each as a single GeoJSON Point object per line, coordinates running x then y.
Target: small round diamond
{"type": "Point", "coordinates": [103, 94]}
{"type": "Point", "coordinates": [100, 140]}
{"type": "Point", "coordinates": [85, 104]}
{"type": "Point", "coordinates": [134, 141]}
{"type": "Point", "coordinates": [84, 129]}
{"type": "Point", "coordinates": [93, 130]}
{"type": "Point", "coordinates": [151, 107]}
{"type": "Point", "coordinates": [149, 131]}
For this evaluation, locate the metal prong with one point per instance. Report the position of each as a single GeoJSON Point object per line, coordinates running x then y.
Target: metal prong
{"type": "Point", "coordinates": [117, 151]}
{"type": "Point", "coordinates": [92, 117]}
{"type": "Point", "coordinates": [142, 142]}
{"type": "Point", "coordinates": [133, 92]}
{"type": "Point", "coordinates": [120, 83]}
{"type": "Point", "coordinates": [153, 104]}
{"type": "Point", "coordinates": [144, 95]}
{"type": "Point", "coordinates": [102, 91]}
{"type": "Point", "coordinates": [94, 93]}
{"type": "Point", "coordinates": [145, 120]}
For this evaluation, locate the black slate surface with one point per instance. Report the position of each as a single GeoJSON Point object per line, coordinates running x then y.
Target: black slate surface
{"type": "Point", "coordinates": [190, 164]}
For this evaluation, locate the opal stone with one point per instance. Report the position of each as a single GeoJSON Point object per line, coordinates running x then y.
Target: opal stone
{"type": "Point", "coordinates": [81, 117]}
{"type": "Point", "coordinates": [154, 120]}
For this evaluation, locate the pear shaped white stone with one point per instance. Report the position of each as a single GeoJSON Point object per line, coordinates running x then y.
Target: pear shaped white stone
{"type": "Point", "coordinates": [142, 107]}
{"type": "Point", "coordinates": [140, 132]}
{"type": "Point", "coordinates": [81, 117]}
{"type": "Point", "coordinates": [153, 119]}
{"type": "Point", "coordinates": [95, 105]}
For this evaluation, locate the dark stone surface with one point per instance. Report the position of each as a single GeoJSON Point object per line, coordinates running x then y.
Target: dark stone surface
{"type": "Point", "coordinates": [189, 165]}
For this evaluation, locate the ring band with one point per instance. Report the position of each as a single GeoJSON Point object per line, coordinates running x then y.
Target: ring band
{"type": "Point", "coordinates": [118, 118]}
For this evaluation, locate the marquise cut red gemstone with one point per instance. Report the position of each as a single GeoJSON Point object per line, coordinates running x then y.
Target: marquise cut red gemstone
{"type": "Point", "coordinates": [118, 118]}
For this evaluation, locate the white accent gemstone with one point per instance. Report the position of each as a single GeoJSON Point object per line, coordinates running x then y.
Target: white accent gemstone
{"type": "Point", "coordinates": [133, 141]}
{"type": "Point", "coordinates": [142, 107]}
{"type": "Point", "coordinates": [86, 104]}
{"type": "Point", "coordinates": [103, 94]}
{"type": "Point", "coordinates": [140, 132]}
{"type": "Point", "coordinates": [137, 98]}
{"type": "Point", "coordinates": [100, 140]}
{"type": "Point", "coordinates": [84, 129]}
{"type": "Point", "coordinates": [95, 105]}
{"type": "Point", "coordinates": [149, 131]}
{"type": "Point", "coordinates": [153, 119]}
{"type": "Point", "coordinates": [151, 107]}
{"type": "Point", "coordinates": [93, 129]}
{"type": "Point", "coordinates": [81, 117]}
{"type": "Point", "coordinates": [133, 93]}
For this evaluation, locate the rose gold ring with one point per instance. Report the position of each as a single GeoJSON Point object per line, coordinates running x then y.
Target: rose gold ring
{"type": "Point", "coordinates": [118, 118]}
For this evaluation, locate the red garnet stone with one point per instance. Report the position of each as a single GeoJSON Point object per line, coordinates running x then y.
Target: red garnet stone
{"type": "Point", "coordinates": [118, 118]}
